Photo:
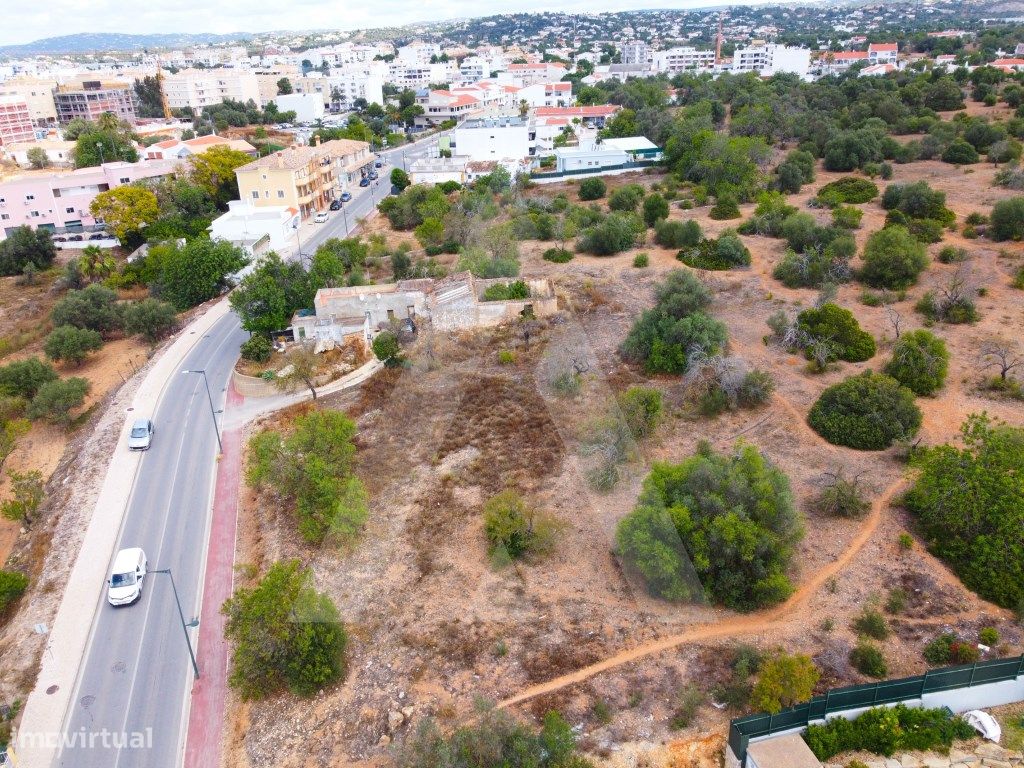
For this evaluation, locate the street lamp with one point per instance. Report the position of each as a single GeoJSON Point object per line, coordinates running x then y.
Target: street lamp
{"type": "Point", "coordinates": [184, 626]}
{"type": "Point", "coordinates": [99, 146]}
{"type": "Point", "coordinates": [298, 243]}
{"type": "Point", "coordinates": [213, 413]}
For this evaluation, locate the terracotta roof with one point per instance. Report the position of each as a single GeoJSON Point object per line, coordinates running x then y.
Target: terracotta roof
{"type": "Point", "coordinates": [558, 86]}
{"type": "Point", "coordinates": [464, 100]}
{"type": "Point", "coordinates": [521, 67]}
{"type": "Point", "coordinates": [849, 55]}
{"type": "Point", "coordinates": [294, 158]}
{"type": "Point", "coordinates": [200, 141]}
{"type": "Point", "coordinates": [1008, 63]}
{"type": "Point", "coordinates": [594, 111]}
{"type": "Point", "coordinates": [166, 144]}
{"type": "Point", "coordinates": [882, 47]}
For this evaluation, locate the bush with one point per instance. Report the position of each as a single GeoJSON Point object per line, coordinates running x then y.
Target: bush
{"type": "Point", "coordinates": [785, 680]}
{"type": "Point", "coordinates": [887, 730]}
{"type": "Point", "coordinates": [386, 347]}
{"type": "Point", "coordinates": [725, 207]}
{"type": "Point", "coordinates": [627, 198]}
{"type": "Point", "coordinates": [988, 636]}
{"type": "Point", "coordinates": [592, 189]}
{"type": "Point", "coordinates": [725, 252]}
{"type": "Point", "coordinates": [95, 307]}
{"type": "Point", "coordinates": [286, 635]}
{"type": "Point", "coordinates": [641, 408]}
{"type": "Point", "coordinates": [190, 274]}
{"type": "Point", "coordinates": [685, 542]}
{"type": "Point", "coordinates": [954, 308]}
{"type": "Point", "coordinates": [803, 233]}
{"type": "Point", "coordinates": [71, 344]}
{"type": "Point", "coordinates": [257, 348]}
{"type": "Point", "coordinates": [918, 201]}
{"type": "Point", "coordinates": [815, 267]}
{"type": "Point", "coordinates": [896, 602]}
{"type": "Point", "coordinates": [772, 209]}
{"type": "Point", "coordinates": [850, 189]}
{"type": "Point", "coordinates": [867, 659]}
{"type": "Point", "coordinates": [12, 586]}
{"type": "Point", "coordinates": [847, 217]}
{"type": "Point", "coordinates": [25, 246]}
{"type": "Point", "coordinates": [960, 152]}
{"type": "Point", "coordinates": [558, 255]}
{"type": "Point", "coordinates": [843, 497]}
{"type": "Point", "coordinates": [23, 378]}
{"type": "Point", "coordinates": [839, 330]}
{"type": "Point", "coordinates": [952, 255]}
{"type": "Point", "coordinates": [949, 649]}
{"type": "Point", "coordinates": [919, 362]}
{"type": "Point", "coordinates": [641, 260]}
{"type": "Point", "coordinates": [507, 291]}
{"type": "Point", "coordinates": [885, 171]}
{"type": "Point", "coordinates": [868, 412]}
{"type": "Point", "coordinates": [677, 234]}
{"type": "Point", "coordinates": [893, 259]}
{"type": "Point", "coordinates": [618, 232]}
{"type": "Point", "coordinates": [969, 502]}
{"type": "Point", "coordinates": [655, 209]}
{"type": "Point", "coordinates": [663, 338]}
{"type": "Point", "coordinates": [1007, 219]}
{"type": "Point", "coordinates": [56, 399]}
{"type": "Point", "coordinates": [514, 529]}
{"type": "Point", "coordinates": [310, 471]}
{"type": "Point", "coordinates": [150, 318]}
{"type": "Point", "coordinates": [872, 623]}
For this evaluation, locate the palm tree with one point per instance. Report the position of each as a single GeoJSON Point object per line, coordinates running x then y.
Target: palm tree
{"type": "Point", "coordinates": [96, 263]}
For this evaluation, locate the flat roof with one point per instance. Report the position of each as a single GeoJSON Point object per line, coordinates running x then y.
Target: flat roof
{"type": "Point", "coordinates": [789, 751]}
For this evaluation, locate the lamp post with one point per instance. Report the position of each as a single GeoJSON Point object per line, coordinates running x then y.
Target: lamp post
{"type": "Point", "coordinates": [213, 413]}
{"type": "Point", "coordinates": [99, 146]}
{"type": "Point", "coordinates": [184, 626]}
{"type": "Point", "coordinates": [298, 242]}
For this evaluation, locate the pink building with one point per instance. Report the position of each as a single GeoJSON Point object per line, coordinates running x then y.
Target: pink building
{"type": "Point", "coordinates": [60, 201]}
{"type": "Point", "coordinates": [15, 121]}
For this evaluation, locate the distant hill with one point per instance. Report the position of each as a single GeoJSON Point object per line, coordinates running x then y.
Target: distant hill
{"type": "Point", "coordinates": [94, 42]}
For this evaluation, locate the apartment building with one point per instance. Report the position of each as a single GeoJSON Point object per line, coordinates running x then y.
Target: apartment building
{"type": "Point", "coordinates": [198, 88]}
{"type": "Point", "coordinates": [308, 107]}
{"type": "Point", "coordinates": [15, 121]}
{"type": "Point", "coordinates": [768, 60]}
{"type": "Point", "coordinates": [342, 87]}
{"type": "Point", "coordinates": [304, 178]}
{"type": "Point", "coordinates": [417, 53]}
{"type": "Point", "coordinates": [474, 68]}
{"type": "Point", "coordinates": [91, 98]}
{"type": "Point", "coordinates": [546, 94]}
{"type": "Point", "coordinates": [405, 75]}
{"type": "Point", "coordinates": [439, 106]}
{"type": "Point", "coordinates": [503, 138]}
{"type": "Point", "coordinates": [637, 53]}
{"type": "Point", "coordinates": [683, 59]}
{"type": "Point", "coordinates": [524, 75]}
{"type": "Point", "coordinates": [589, 116]}
{"type": "Point", "coordinates": [883, 53]}
{"type": "Point", "coordinates": [267, 79]}
{"type": "Point", "coordinates": [37, 93]}
{"type": "Point", "coordinates": [60, 201]}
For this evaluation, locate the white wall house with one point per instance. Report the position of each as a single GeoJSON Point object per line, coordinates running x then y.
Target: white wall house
{"type": "Point", "coordinates": [591, 157]}
{"type": "Point", "coordinates": [308, 107]}
{"type": "Point", "coordinates": [486, 139]}
{"type": "Point", "coordinates": [768, 60]}
{"type": "Point", "coordinates": [682, 59]}
{"type": "Point", "coordinates": [257, 230]}
{"type": "Point", "coordinates": [198, 88]}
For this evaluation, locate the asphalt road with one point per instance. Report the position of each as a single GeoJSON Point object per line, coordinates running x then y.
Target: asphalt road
{"type": "Point", "coordinates": [136, 678]}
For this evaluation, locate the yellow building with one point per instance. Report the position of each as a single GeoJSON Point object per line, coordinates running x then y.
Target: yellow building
{"type": "Point", "coordinates": [305, 178]}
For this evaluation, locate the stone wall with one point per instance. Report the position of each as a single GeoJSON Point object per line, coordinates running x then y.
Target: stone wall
{"type": "Point", "coordinates": [982, 754]}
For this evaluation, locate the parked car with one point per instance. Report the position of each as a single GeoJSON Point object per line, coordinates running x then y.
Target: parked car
{"type": "Point", "coordinates": [373, 176]}
{"type": "Point", "coordinates": [126, 576]}
{"type": "Point", "coordinates": [141, 436]}
{"type": "Point", "coordinates": [364, 182]}
{"type": "Point", "coordinates": [378, 164]}
{"type": "Point", "coordinates": [321, 217]}
{"type": "Point", "coordinates": [98, 236]}
{"type": "Point", "coordinates": [335, 205]}
{"type": "Point", "coordinates": [76, 238]}
{"type": "Point", "coordinates": [346, 196]}
{"type": "Point", "coordinates": [60, 239]}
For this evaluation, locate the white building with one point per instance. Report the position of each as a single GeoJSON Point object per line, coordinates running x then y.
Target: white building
{"type": "Point", "coordinates": [417, 53]}
{"type": "Point", "coordinates": [682, 59]}
{"type": "Point", "coordinates": [198, 88]}
{"type": "Point", "coordinates": [590, 157]}
{"type": "Point", "coordinates": [503, 138]}
{"type": "Point", "coordinates": [437, 170]}
{"type": "Point", "coordinates": [308, 107]}
{"type": "Point", "coordinates": [636, 53]}
{"type": "Point", "coordinates": [57, 151]}
{"type": "Point", "coordinates": [546, 94]}
{"type": "Point", "coordinates": [768, 60]}
{"type": "Point", "coordinates": [256, 229]}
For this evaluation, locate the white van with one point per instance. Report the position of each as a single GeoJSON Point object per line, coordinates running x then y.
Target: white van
{"type": "Point", "coordinates": [126, 577]}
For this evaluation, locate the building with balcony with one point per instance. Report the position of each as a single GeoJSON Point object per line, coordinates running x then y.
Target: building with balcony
{"type": "Point", "coordinates": [60, 201]}
{"type": "Point", "coordinates": [637, 53]}
{"type": "Point", "coordinates": [683, 59]}
{"type": "Point", "coordinates": [198, 88]}
{"type": "Point", "coordinates": [768, 60]}
{"type": "Point", "coordinates": [304, 178]}
{"type": "Point", "coordinates": [439, 106]}
{"type": "Point", "coordinates": [502, 138]}
{"type": "Point", "coordinates": [15, 121]}
{"type": "Point", "coordinates": [90, 99]}
{"type": "Point", "coordinates": [37, 93]}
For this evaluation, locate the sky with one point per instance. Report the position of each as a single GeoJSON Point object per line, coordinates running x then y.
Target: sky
{"type": "Point", "coordinates": [26, 22]}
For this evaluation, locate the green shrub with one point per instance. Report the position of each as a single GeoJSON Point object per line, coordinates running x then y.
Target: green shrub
{"type": "Point", "coordinates": [71, 344]}
{"type": "Point", "coordinates": [725, 207]}
{"type": "Point", "coordinates": [847, 217]}
{"type": "Point", "coordinates": [959, 152]}
{"type": "Point", "coordinates": [953, 307]}
{"type": "Point", "coordinates": [558, 255]}
{"type": "Point", "coordinates": [969, 503]}
{"type": "Point", "coordinates": [23, 378]}
{"type": "Point", "coordinates": [641, 260]}
{"type": "Point", "coordinates": [772, 209]}
{"type": "Point", "coordinates": [655, 209]}
{"type": "Point", "coordinates": [626, 198]}
{"type": "Point", "coordinates": [867, 659]}
{"type": "Point", "coordinates": [680, 532]}
{"type": "Point", "coordinates": [12, 586]}
{"type": "Point", "coordinates": [56, 399]}
{"type": "Point", "coordinates": [868, 412]}
{"type": "Point", "coordinates": [677, 234]}
{"type": "Point", "coordinates": [919, 362]}
{"type": "Point", "coordinates": [905, 542]}
{"type": "Point", "coordinates": [918, 201]}
{"type": "Point", "coordinates": [893, 259]}
{"type": "Point", "coordinates": [514, 529]}
{"type": "Point", "coordinates": [386, 347]}
{"type": "Point", "coordinates": [785, 680]}
{"type": "Point", "coordinates": [507, 291]}
{"type": "Point", "coordinates": [947, 648]}
{"type": "Point", "coordinates": [506, 357]}
{"type": "Point", "coordinates": [896, 602]}
{"type": "Point", "coordinates": [689, 700]}
{"type": "Point", "coordinates": [257, 348]}
{"type": "Point", "coordinates": [803, 233]}
{"type": "Point", "coordinates": [843, 497]}
{"type": "Point", "coordinates": [641, 408]}
{"type": "Point", "coordinates": [871, 622]}
{"type": "Point", "coordinates": [988, 636]}
{"type": "Point", "coordinates": [952, 255]}
{"type": "Point", "coordinates": [618, 232]}
{"type": "Point", "coordinates": [850, 189]}
{"type": "Point", "coordinates": [816, 266]}
{"type": "Point", "coordinates": [285, 635]}
{"type": "Point", "coordinates": [1007, 219]}
{"type": "Point", "coordinates": [837, 327]}
{"type": "Point", "coordinates": [592, 189]}
{"type": "Point", "coordinates": [566, 383]}
{"type": "Point", "coordinates": [95, 307]}
{"type": "Point", "coordinates": [887, 730]}
{"type": "Point", "coordinates": [151, 318]}
{"type": "Point", "coordinates": [724, 252]}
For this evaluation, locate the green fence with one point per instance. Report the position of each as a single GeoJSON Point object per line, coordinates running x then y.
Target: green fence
{"type": "Point", "coordinates": [743, 729]}
{"type": "Point", "coordinates": [635, 165]}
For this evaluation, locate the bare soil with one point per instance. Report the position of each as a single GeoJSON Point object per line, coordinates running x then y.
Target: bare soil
{"type": "Point", "coordinates": [435, 624]}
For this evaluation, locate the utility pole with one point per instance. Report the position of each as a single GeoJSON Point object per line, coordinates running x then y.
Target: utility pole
{"type": "Point", "coordinates": [213, 413]}
{"type": "Point", "coordinates": [184, 626]}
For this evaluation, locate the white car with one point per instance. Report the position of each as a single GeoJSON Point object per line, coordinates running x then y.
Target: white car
{"type": "Point", "coordinates": [321, 217]}
{"type": "Point", "coordinates": [141, 436]}
{"type": "Point", "coordinates": [126, 577]}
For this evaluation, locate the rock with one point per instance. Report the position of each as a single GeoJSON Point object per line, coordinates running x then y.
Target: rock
{"type": "Point", "coordinates": [959, 756]}
{"type": "Point", "coordinates": [993, 763]}
{"type": "Point", "coordinates": [988, 749]}
{"type": "Point", "coordinates": [934, 761]}
{"type": "Point", "coordinates": [909, 761]}
{"type": "Point", "coordinates": [407, 713]}
{"type": "Point", "coordinates": [892, 763]}
{"type": "Point", "coordinates": [384, 740]}
{"type": "Point", "coordinates": [395, 720]}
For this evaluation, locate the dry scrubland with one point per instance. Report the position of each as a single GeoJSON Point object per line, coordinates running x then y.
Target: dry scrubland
{"type": "Point", "coordinates": [434, 625]}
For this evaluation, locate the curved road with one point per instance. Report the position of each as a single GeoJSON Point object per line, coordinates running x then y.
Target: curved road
{"type": "Point", "coordinates": [136, 678]}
